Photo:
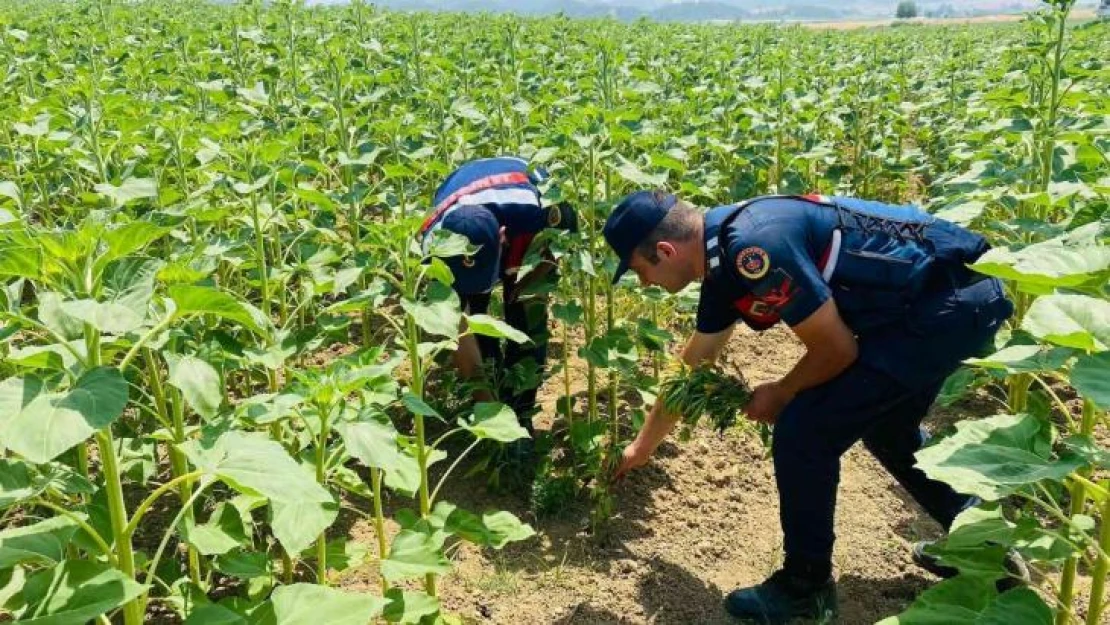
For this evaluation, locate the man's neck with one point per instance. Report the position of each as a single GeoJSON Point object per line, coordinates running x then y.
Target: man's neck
{"type": "Point", "coordinates": [699, 251]}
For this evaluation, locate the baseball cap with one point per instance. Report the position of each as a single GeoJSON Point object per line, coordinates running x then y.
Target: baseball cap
{"type": "Point", "coordinates": [632, 221]}
{"type": "Point", "coordinates": [477, 272]}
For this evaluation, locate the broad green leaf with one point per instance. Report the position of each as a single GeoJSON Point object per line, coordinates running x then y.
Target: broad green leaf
{"type": "Point", "coordinates": [10, 189]}
{"type": "Point", "coordinates": [215, 614]}
{"type": "Point", "coordinates": [489, 326]}
{"type": "Point", "coordinates": [74, 592]}
{"type": "Point", "coordinates": [494, 421]}
{"type": "Point", "coordinates": [1075, 321]}
{"type": "Point", "coordinates": [243, 564]}
{"type": "Point", "coordinates": [418, 406]}
{"type": "Point", "coordinates": [409, 607]}
{"type": "Point", "coordinates": [495, 529]}
{"type": "Point", "coordinates": [310, 604]}
{"type": "Point", "coordinates": [297, 524]}
{"type": "Point", "coordinates": [440, 318]}
{"type": "Point", "coordinates": [505, 527]}
{"type": "Point", "coordinates": [51, 423]}
{"type": "Point", "coordinates": [413, 554]}
{"type": "Point", "coordinates": [130, 238]}
{"type": "Point", "coordinates": [210, 301]}
{"type": "Point", "coordinates": [223, 532]}
{"type": "Point", "coordinates": [130, 190]}
{"type": "Point", "coordinates": [42, 543]}
{"type": "Point", "coordinates": [21, 261]}
{"type": "Point", "coordinates": [373, 443]}
{"type": "Point", "coordinates": [16, 480]}
{"type": "Point", "coordinates": [129, 282]}
{"type": "Point", "coordinates": [971, 600]}
{"type": "Point", "coordinates": [1091, 377]}
{"type": "Point", "coordinates": [639, 178]}
{"type": "Point", "coordinates": [1046, 265]}
{"type": "Point", "coordinates": [198, 382]}
{"type": "Point", "coordinates": [994, 457]}
{"type": "Point", "coordinates": [108, 317]}
{"type": "Point", "coordinates": [301, 508]}
{"type": "Point", "coordinates": [1025, 359]}
{"type": "Point", "coordinates": [54, 317]}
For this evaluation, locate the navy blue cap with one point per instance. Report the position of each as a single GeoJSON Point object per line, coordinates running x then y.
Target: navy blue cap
{"type": "Point", "coordinates": [632, 221]}
{"type": "Point", "coordinates": [477, 272]}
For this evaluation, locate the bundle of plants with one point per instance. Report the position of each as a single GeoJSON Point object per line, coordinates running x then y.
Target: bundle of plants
{"type": "Point", "coordinates": [705, 391]}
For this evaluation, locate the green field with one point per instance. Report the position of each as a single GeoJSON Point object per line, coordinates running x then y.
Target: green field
{"type": "Point", "coordinates": [219, 338]}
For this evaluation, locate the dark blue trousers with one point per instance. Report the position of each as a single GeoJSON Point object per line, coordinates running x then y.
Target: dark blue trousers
{"type": "Point", "coordinates": [882, 402]}
{"type": "Point", "coordinates": [530, 317]}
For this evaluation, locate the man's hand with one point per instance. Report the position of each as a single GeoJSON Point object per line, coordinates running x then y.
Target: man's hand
{"type": "Point", "coordinates": [634, 456]}
{"type": "Point", "coordinates": [767, 402]}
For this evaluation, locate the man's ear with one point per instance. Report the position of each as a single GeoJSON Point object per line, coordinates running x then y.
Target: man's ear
{"type": "Point", "coordinates": [665, 249]}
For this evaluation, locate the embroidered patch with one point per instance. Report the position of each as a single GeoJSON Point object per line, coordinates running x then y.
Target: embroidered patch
{"type": "Point", "coordinates": [785, 290]}
{"type": "Point", "coordinates": [753, 262]}
{"type": "Point", "coordinates": [554, 216]}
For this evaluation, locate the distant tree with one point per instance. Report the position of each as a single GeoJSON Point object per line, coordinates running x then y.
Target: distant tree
{"type": "Point", "coordinates": [906, 10]}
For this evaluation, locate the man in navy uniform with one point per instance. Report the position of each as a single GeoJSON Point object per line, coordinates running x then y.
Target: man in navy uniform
{"type": "Point", "coordinates": [883, 300]}
{"type": "Point", "coordinates": [497, 205]}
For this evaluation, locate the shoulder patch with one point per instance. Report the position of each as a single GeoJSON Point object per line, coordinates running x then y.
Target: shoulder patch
{"type": "Point", "coordinates": [753, 262]}
{"type": "Point", "coordinates": [554, 216]}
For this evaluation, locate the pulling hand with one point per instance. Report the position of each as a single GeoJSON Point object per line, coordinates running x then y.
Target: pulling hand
{"type": "Point", "coordinates": [767, 402]}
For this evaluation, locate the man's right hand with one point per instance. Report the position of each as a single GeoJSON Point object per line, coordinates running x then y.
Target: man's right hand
{"type": "Point", "coordinates": [633, 457]}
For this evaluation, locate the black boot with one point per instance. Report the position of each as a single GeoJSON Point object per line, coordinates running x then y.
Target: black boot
{"type": "Point", "coordinates": [794, 591]}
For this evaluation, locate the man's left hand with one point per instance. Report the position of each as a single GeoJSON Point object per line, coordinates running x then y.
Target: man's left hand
{"type": "Point", "coordinates": [767, 402]}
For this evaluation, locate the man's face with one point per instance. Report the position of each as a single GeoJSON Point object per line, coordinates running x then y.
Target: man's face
{"type": "Point", "coordinates": [668, 273]}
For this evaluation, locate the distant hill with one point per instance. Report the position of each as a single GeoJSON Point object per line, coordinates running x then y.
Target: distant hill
{"type": "Point", "coordinates": [705, 10]}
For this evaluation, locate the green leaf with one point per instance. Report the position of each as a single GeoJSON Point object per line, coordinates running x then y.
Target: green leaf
{"type": "Point", "coordinates": [51, 423]}
{"type": "Point", "coordinates": [242, 564]}
{"type": "Point", "coordinates": [973, 600]}
{"type": "Point", "coordinates": [494, 421]}
{"type": "Point", "coordinates": [42, 543]}
{"type": "Point", "coordinates": [130, 238]}
{"type": "Point", "coordinates": [1091, 377]}
{"type": "Point", "coordinates": [374, 444]}
{"type": "Point", "coordinates": [223, 532]}
{"type": "Point", "coordinates": [129, 282]}
{"type": "Point", "coordinates": [297, 524]}
{"type": "Point", "coordinates": [108, 317]}
{"type": "Point", "coordinates": [413, 554]}
{"type": "Point", "coordinates": [74, 592]}
{"type": "Point", "coordinates": [16, 480]}
{"type": "Point", "coordinates": [494, 529]}
{"type": "Point", "coordinates": [440, 318]}
{"type": "Point", "coordinates": [310, 604]}
{"type": "Point", "coordinates": [21, 261]}
{"type": "Point", "coordinates": [636, 176]}
{"type": "Point", "coordinates": [418, 406]}
{"type": "Point", "coordinates": [198, 382]}
{"type": "Point", "coordinates": [301, 508]}
{"type": "Point", "coordinates": [215, 614]}
{"type": "Point", "coordinates": [53, 317]}
{"type": "Point", "coordinates": [489, 326]}
{"type": "Point", "coordinates": [994, 457]}
{"type": "Point", "coordinates": [1025, 359]}
{"type": "Point", "coordinates": [130, 190]}
{"type": "Point", "coordinates": [1046, 264]}
{"type": "Point", "coordinates": [210, 301]}
{"type": "Point", "coordinates": [409, 607]}
{"type": "Point", "coordinates": [1075, 321]}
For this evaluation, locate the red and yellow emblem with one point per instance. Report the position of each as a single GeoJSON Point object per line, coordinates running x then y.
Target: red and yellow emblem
{"type": "Point", "coordinates": [753, 262]}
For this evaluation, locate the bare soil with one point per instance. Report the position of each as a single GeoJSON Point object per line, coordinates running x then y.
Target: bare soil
{"type": "Point", "coordinates": [698, 521]}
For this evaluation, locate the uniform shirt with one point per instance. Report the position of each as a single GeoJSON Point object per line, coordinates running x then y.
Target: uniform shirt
{"type": "Point", "coordinates": [781, 258]}
{"type": "Point", "coordinates": [506, 186]}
